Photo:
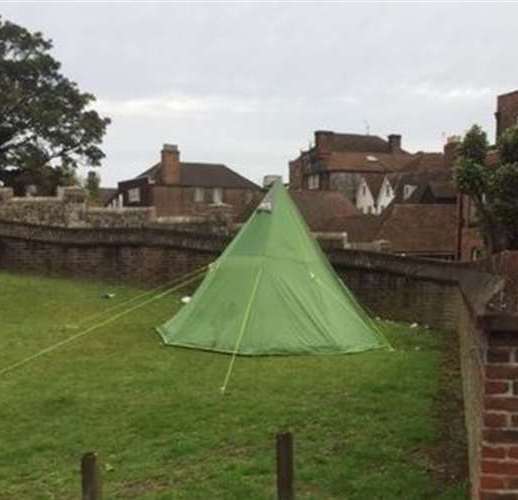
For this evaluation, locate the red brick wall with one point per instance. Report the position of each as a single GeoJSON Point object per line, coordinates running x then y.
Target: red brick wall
{"type": "Point", "coordinates": [179, 201]}
{"type": "Point", "coordinates": [499, 440]}
{"type": "Point", "coordinates": [507, 111]}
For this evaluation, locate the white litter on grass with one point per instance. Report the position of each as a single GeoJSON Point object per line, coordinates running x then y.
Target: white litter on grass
{"type": "Point", "coordinates": [414, 325]}
{"type": "Point", "coordinates": [186, 299]}
{"type": "Point", "coordinates": [108, 295]}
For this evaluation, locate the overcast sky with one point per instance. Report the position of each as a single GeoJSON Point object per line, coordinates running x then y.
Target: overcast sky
{"type": "Point", "coordinates": [246, 84]}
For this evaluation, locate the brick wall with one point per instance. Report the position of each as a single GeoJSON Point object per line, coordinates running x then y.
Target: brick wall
{"type": "Point", "coordinates": [507, 111]}
{"type": "Point", "coordinates": [179, 200]}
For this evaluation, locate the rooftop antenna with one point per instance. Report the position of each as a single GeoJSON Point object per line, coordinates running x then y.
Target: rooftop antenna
{"type": "Point", "coordinates": [367, 127]}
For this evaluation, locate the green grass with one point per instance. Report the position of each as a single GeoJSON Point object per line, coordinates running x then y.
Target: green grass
{"type": "Point", "coordinates": [363, 424]}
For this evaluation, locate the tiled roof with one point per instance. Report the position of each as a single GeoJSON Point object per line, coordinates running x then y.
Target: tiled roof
{"type": "Point", "coordinates": [420, 229]}
{"type": "Point", "coordinates": [323, 211]}
{"type": "Point", "coordinates": [361, 228]}
{"type": "Point", "coordinates": [443, 189]}
{"type": "Point", "coordinates": [359, 143]}
{"type": "Point", "coordinates": [205, 175]}
{"type": "Point", "coordinates": [374, 181]}
{"type": "Point", "coordinates": [361, 162]}
{"type": "Point", "coordinates": [425, 161]}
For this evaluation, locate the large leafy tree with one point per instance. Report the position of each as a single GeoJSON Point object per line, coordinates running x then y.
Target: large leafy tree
{"type": "Point", "coordinates": [492, 187]}
{"type": "Point", "coordinates": [47, 126]}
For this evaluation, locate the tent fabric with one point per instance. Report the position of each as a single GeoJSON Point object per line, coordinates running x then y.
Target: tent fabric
{"type": "Point", "coordinates": [273, 291]}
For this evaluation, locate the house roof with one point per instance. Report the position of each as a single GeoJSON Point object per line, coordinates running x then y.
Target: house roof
{"type": "Point", "coordinates": [359, 143]}
{"type": "Point", "coordinates": [323, 211]}
{"type": "Point", "coordinates": [423, 161]}
{"type": "Point", "coordinates": [420, 228]}
{"type": "Point", "coordinates": [374, 182]}
{"type": "Point", "coordinates": [205, 175]}
{"type": "Point", "coordinates": [362, 162]}
{"type": "Point", "coordinates": [361, 228]}
{"type": "Point", "coordinates": [443, 189]}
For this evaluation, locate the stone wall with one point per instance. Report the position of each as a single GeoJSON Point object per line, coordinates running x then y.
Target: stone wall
{"type": "Point", "coordinates": [68, 209]}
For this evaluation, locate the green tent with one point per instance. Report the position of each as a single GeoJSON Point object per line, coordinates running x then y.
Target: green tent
{"type": "Point", "coordinates": [272, 291]}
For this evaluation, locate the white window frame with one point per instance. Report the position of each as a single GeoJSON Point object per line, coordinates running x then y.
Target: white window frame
{"type": "Point", "coordinates": [199, 195]}
{"type": "Point", "coordinates": [217, 196]}
{"type": "Point", "coordinates": [134, 195]}
{"type": "Point", "coordinates": [314, 181]}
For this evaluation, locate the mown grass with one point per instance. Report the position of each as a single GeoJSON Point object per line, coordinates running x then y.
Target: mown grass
{"type": "Point", "coordinates": [363, 424]}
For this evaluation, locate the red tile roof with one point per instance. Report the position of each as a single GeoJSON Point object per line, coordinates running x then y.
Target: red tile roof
{"type": "Point", "coordinates": [205, 175]}
{"type": "Point", "coordinates": [323, 211]}
{"type": "Point", "coordinates": [359, 143]}
{"type": "Point", "coordinates": [420, 229]}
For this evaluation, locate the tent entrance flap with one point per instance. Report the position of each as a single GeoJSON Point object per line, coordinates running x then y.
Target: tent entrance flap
{"type": "Point", "coordinates": [273, 292]}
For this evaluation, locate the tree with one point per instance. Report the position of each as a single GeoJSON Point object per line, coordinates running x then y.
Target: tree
{"type": "Point", "coordinates": [46, 122]}
{"type": "Point", "coordinates": [492, 188]}
{"type": "Point", "coordinates": [92, 184]}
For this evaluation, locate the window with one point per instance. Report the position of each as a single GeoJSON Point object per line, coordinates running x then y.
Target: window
{"type": "Point", "coordinates": [134, 195]}
{"type": "Point", "coordinates": [408, 190]}
{"type": "Point", "coordinates": [199, 195]}
{"type": "Point", "coordinates": [387, 190]}
{"type": "Point", "coordinates": [364, 190]}
{"type": "Point", "coordinates": [313, 181]}
{"type": "Point", "coordinates": [217, 196]}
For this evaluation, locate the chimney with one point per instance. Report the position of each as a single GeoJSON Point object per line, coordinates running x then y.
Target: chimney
{"type": "Point", "coordinates": [324, 141]}
{"type": "Point", "coordinates": [170, 164]}
{"type": "Point", "coordinates": [394, 141]}
{"type": "Point", "coordinates": [450, 150]}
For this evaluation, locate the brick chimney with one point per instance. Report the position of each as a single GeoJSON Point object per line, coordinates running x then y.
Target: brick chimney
{"type": "Point", "coordinates": [450, 150]}
{"type": "Point", "coordinates": [394, 141]}
{"type": "Point", "coordinates": [324, 141]}
{"type": "Point", "coordinates": [170, 164]}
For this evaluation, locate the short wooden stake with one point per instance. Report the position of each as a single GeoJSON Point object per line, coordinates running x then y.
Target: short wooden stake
{"type": "Point", "coordinates": [285, 474]}
{"type": "Point", "coordinates": [90, 477]}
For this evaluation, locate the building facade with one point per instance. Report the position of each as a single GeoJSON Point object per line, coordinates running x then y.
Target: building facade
{"type": "Point", "coordinates": [185, 189]}
{"type": "Point", "coordinates": [338, 161]}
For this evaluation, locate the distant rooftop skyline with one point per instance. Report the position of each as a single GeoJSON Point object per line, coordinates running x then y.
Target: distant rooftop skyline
{"type": "Point", "coordinates": [247, 84]}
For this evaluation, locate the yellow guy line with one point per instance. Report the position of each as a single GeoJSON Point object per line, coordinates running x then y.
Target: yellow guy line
{"type": "Point", "coordinates": [94, 327]}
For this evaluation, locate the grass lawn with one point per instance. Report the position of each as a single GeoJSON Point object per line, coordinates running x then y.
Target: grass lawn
{"type": "Point", "coordinates": [366, 426]}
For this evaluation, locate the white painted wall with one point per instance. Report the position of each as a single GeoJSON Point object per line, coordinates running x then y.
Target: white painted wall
{"type": "Point", "coordinates": [364, 200]}
{"type": "Point", "coordinates": [385, 196]}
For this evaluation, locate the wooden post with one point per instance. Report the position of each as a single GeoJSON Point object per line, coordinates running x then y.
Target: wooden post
{"type": "Point", "coordinates": [90, 477]}
{"type": "Point", "coordinates": [285, 489]}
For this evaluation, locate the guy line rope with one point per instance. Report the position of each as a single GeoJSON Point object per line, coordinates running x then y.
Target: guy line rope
{"type": "Point", "coordinates": [193, 276]}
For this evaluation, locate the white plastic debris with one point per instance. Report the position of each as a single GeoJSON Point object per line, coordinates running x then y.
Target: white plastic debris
{"type": "Point", "coordinates": [186, 299]}
{"type": "Point", "coordinates": [414, 325]}
{"type": "Point", "coordinates": [108, 295]}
